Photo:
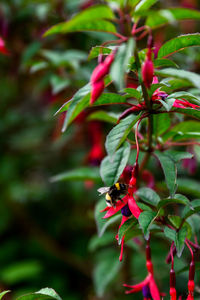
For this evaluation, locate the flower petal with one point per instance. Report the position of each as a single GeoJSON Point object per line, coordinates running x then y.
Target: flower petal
{"type": "Point", "coordinates": [154, 289]}
{"type": "Point", "coordinates": [134, 208]}
{"type": "Point", "coordinates": [138, 287]}
{"type": "Point", "coordinates": [113, 210]}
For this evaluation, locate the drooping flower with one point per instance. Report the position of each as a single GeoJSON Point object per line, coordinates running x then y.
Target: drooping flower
{"type": "Point", "coordinates": [127, 205]}
{"type": "Point", "coordinates": [97, 78]}
{"type": "Point", "coordinates": [148, 284]}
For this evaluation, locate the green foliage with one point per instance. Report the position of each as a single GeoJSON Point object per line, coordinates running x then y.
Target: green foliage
{"type": "Point", "coordinates": [92, 19]}
{"type": "Point", "coordinates": [46, 293]}
{"type": "Point", "coordinates": [112, 167]}
{"type": "Point", "coordinates": [119, 133]}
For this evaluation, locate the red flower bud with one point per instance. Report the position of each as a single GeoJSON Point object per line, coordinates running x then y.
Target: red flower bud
{"type": "Point", "coordinates": [99, 72]}
{"type": "Point", "coordinates": [147, 72]}
{"type": "Point", "coordinates": [96, 91]}
{"type": "Point", "coordinates": [172, 293]}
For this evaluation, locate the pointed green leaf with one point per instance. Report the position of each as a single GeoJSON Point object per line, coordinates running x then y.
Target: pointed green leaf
{"type": "Point", "coordinates": [178, 199]}
{"type": "Point", "coordinates": [95, 51]}
{"type": "Point", "coordinates": [119, 133]}
{"type": "Point", "coordinates": [145, 219]}
{"type": "Point", "coordinates": [148, 195]}
{"type": "Point", "coordinates": [112, 168]}
{"type": "Point", "coordinates": [84, 173]}
{"type": "Point", "coordinates": [161, 122]}
{"type": "Point", "coordinates": [169, 169]}
{"type": "Point", "coordinates": [91, 19]}
{"type": "Point", "coordinates": [194, 208]}
{"type": "Point", "coordinates": [144, 5]}
{"type": "Point", "coordinates": [189, 187]}
{"type": "Point", "coordinates": [162, 62]}
{"type": "Point", "coordinates": [177, 237]}
{"type": "Point", "coordinates": [183, 130]}
{"type": "Point", "coordinates": [129, 225]}
{"type": "Point", "coordinates": [102, 115]}
{"type": "Point", "coordinates": [171, 15]}
{"type": "Point", "coordinates": [133, 93]}
{"type": "Point", "coordinates": [181, 74]}
{"type": "Point", "coordinates": [189, 112]}
{"type": "Point", "coordinates": [43, 294]}
{"type": "Point", "coordinates": [176, 156]}
{"type": "Point", "coordinates": [120, 64]}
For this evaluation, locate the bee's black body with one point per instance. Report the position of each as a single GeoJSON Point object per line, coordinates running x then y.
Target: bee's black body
{"type": "Point", "coordinates": [114, 193]}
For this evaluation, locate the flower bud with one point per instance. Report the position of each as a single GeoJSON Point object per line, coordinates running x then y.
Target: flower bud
{"type": "Point", "coordinates": [147, 72]}
{"type": "Point", "coordinates": [99, 72]}
{"type": "Point", "coordinates": [96, 91]}
{"type": "Point", "coordinates": [3, 49]}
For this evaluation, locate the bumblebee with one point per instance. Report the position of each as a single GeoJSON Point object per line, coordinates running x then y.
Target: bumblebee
{"type": "Point", "coordinates": [113, 193]}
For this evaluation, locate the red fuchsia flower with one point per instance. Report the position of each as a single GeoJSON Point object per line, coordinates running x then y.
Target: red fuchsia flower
{"type": "Point", "coordinates": [172, 290]}
{"type": "Point", "coordinates": [3, 48]}
{"type": "Point", "coordinates": [191, 275]}
{"type": "Point", "coordinates": [97, 78]}
{"type": "Point", "coordinates": [95, 134]}
{"type": "Point", "coordinates": [147, 67]}
{"type": "Point", "coordinates": [127, 205]}
{"type": "Point", "coordinates": [148, 285]}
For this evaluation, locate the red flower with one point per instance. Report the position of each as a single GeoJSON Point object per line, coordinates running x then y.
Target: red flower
{"type": "Point", "coordinates": [3, 48]}
{"type": "Point", "coordinates": [147, 282]}
{"type": "Point", "coordinates": [147, 67]}
{"type": "Point", "coordinates": [127, 205]}
{"type": "Point", "coordinates": [97, 78]}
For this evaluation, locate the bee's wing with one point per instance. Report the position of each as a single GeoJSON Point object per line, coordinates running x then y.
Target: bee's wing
{"type": "Point", "coordinates": [103, 190]}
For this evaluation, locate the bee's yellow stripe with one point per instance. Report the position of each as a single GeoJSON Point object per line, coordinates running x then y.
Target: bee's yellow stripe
{"type": "Point", "coordinates": [117, 186]}
{"type": "Point", "coordinates": [108, 197]}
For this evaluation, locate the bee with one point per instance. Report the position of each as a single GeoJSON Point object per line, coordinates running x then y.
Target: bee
{"type": "Point", "coordinates": [113, 193]}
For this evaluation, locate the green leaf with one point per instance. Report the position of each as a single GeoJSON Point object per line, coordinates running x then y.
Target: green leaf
{"type": "Point", "coordinates": [91, 19]}
{"type": "Point", "coordinates": [20, 271]}
{"type": "Point", "coordinates": [169, 169]}
{"type": "Point", "coordinates": [183, 130]}
{"type": "Point", "coordinates": [112, 168]}
{"type": "Point", "coordinates": [171, 15]}
{"type": "Point", "coordinates": [146, 218]}
{"type": "Point", "coordinates": [103, 224]}
{"type": "Point", "coordinates": [102, 115]}
{"type": "Point", "coordinates": [3, 293]}
{"type": "Point", "coordinates": [176, 156]}
{"type": "Point", "coordinates": [81, 100]}
{"type": "Point", "coordinates": [125, 228]}
{"type": "Point", "coordinates": [133, 93]}
{"type": "Point", "coordinates": [106, 269]}
{"type": "Point", "coordinates": [168, 103]}
{"type": "Point", "coordinates": [144, 5]}
{"type": "Point", "coordinates": [194, 208]}
{"type": "Point", "coordinates": [119, 133]}
{"type": "Point", "coordinates": [177, 237]}
{"type": "Point", "coordinates": [189, 111]}
{"type": "Point", "coordinates": [161, 122]}
{"type": "Point", "coordinates": [178, 199]}
{"type": "Point", "coordinates": [43, 294]}
{"type": "Point", "coordinates": [84, 173]}
{"type": "Point", "coordinates": [120, 64]}
{"type": "Point", "coordinates": [148, 195]}
{"type": "Point", "coordinates": [162, 62]}
{"type": "Point", "coordinates": [182, 74]}
{"type": "Point", "coordinates": [95, 51]}
{"type": "Point", "coordinates": [188, 187]}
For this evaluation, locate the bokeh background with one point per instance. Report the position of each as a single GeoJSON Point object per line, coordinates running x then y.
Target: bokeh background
{"type": "Point", "coordinates": [48, 234]}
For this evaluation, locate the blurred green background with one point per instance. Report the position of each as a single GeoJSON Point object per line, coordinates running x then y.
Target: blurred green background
{"type": "Point", "coordinates": [47, 230]}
